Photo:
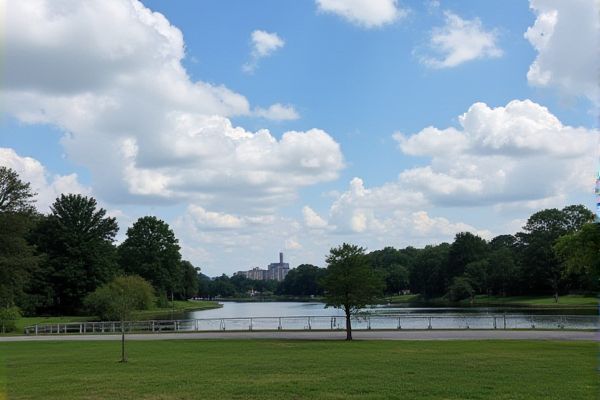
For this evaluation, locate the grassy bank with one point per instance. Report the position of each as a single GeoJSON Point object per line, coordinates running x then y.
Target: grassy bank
{"type": "Point", "coordinates": [248, 369]}
{"type": "Point", "coordinates": [568, 301]}
{"type": "Point", "coordinates": [180, 307]}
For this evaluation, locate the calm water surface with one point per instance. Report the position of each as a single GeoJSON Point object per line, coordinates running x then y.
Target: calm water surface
{"type": "Point", "coordinates": [295, 309]}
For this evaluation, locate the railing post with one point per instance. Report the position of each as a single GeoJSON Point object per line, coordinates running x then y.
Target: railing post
{"type": "Point", "coordinates": [368, 322]}
{"type": "Point", "coordinates": [399, 324]}
{"type": "Point", "coordinates": [429, 327]}
{"type": "Point", "coordinates": [531, 320]}
{"type": "Point", "coordinates": [494, 322]}
{"type": "Point", "coordinates": [196, 325]}
{"type": "Point", "coordinates": [36, 329]}
{"type": "Point", "coordinates": [505, 321]}
{"type": "Point", "coordinates": [309, 327]}
{"type": "Point", "coordinates": [279, 327]}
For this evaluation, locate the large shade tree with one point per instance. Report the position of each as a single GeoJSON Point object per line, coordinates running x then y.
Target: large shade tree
{"type": "Point", "coordinates": [151, 251]}
{"type": "Point", "coordinates": [542, 269]}
{"type": "Point", "coordinates": [350, 283]}
{"type": "Point", "coordinates": [17, 257]}
{"type": "Point", "coordinates": [77, 242]}
{"type": "Point", "coordinates": [15, 194]}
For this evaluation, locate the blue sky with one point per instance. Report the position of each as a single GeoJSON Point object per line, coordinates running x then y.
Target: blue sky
{"type": "Point", "coordinates": [411, 121]}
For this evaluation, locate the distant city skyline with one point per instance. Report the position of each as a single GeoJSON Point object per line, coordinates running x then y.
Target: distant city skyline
{"type": "Point", "coordinates": [257, 126]}
{"type": "Point", "coordinates": [274, 271]}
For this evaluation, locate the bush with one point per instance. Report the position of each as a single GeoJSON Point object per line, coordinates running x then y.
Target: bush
{"type": "Point", "coordinates": [8, 318]}
{"type": "Point", "coordinates": [115, 300]}
{"type": "Point", "coordinates": [460, 289]}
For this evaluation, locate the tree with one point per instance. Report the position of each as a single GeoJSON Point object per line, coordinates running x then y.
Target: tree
{"type": "Point", "coordinates": [151, 251]}
{"type": "Point", "coordinates": [221, 286]}
{"type": "Point", "coordinates": [76, 240]}
{"type": "Point", "coordinates": [541, 266]}
{"type": "Point", "coordinates": [8, 318]}
{"type": "Point", "coordinates": [350, 283]}
{"type": "Point", "coordinates": [303, 280]}
{"type": "Point", "coordinates": [18, 261]}
{"type": "Point", "coordinates": [465, 249]}
{"type": "Point", "coordinates": [503, 272]}
{"type": "Point", "coordinates": [396, 279]}
{"type": "Point", "coordinates": [118, 300]}
{"type": "Point", "coordinates": [427, 272]}
{"type": "Point", "coordinates": [580, 254]}
{"type": "Point", "coordinates": [460, 289]}
{"type": "Point", "coordinates": [190, 284]}
{"type": "Point", "coordinates": [15, 195]}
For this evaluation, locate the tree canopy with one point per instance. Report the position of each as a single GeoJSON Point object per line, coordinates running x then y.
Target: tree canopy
{"type": "Point", "coordinates": [76, 240]}
{"type": "Point", "coordinates": [151, 251]}
{"type": "Point", "coordinates": [15, 195]}
{"type": "Point", "coordinates": [350, 283]}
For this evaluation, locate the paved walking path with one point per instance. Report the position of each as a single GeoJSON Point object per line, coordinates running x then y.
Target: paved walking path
{"type": "Point", "coordinates": [336, 335]}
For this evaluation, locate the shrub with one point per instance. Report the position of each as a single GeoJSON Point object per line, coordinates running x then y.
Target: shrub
{"type": "Point", "coordinates": [8, 318]}
{"type": "Point", "coordinates": [115, 300]}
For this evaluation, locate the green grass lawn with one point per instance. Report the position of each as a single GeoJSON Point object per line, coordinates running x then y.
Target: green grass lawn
{"type": "Point", "coordinates": [255, 369]}
{"type": "Point", "coordinates": [568, 301]}
{"type": "Point", "coordinates": [180, 307]}
{"type": "Point", "coordinates": [571, 300]}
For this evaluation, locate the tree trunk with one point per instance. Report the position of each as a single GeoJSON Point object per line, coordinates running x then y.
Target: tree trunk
{"type": "Point", "coordinates": [123, 357]}
{"type": "Point", "coordinates": [348, 325]}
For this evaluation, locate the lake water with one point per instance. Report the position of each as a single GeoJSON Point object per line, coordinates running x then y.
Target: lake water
{"type": "Point", "coordinates": [232, 309]}
{"type": "Point", "coordinates": [313, 315]}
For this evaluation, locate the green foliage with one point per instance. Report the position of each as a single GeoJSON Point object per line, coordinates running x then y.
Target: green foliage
{"type": "Point", "coordinates": [76, 239]}
{"type": "Point", "coordinates": [8, 318]}
{"type": "Point", "coordinates": [543, 270]}
{"type": "Point", "coordinates": [15, 195]}
{"type": "Point", "coordinates": [18, 261]}
{"type": "Point", "coordinates": [427, 271]}
{"type": "Point", "coordinates": [460, 289]}
{"type": "Point", "coordinates": [304, 280]}
{"type": "Point", "coordinates": [118, 299]}
{"type": "Point", "coordinates": [467, 248]}
{"type": "Point", "coordinates": [350, 283]}
{"type": "Point", "coordinates": [151, 251]}
{"type": "Point", "coordinates": [580, 253]}
{"type": "Point", "coordinates": [189, 284]}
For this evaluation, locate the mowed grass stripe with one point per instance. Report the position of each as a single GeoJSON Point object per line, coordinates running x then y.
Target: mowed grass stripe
{"type": "Point", "coordinates": [255, 369]}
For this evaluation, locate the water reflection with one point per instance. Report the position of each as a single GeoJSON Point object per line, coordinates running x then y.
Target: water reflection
{"type": "Point", "coordinates": [295, 309]}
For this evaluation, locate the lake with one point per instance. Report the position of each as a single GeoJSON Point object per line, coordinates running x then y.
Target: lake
{"type": "Point", "coordinates": [295, 315]}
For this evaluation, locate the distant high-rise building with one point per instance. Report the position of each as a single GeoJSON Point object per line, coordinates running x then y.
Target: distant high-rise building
{"type": "Point", "coordinates": [275, 271]}
{"type": "Point", "coordinates": [278, 271]}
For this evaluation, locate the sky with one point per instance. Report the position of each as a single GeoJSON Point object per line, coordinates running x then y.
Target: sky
{"type": "Point", "coordinates": [254, 127]}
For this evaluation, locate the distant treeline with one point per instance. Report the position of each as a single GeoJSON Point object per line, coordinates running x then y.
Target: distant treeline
{"type": "Point", "coordinates": [50, 264]}
{"type": "Point", "coordinates": [557, 251]}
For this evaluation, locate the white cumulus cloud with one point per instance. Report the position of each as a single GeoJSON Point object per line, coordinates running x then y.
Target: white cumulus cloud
{"type": "Point", "coordinates": [459, 41]}
{"type": "Point", "coordinates": [312, 219]}
{"type": "Point", "coordinates": [364, 13]}
{"type": "Point", "coordinates": [520, 153]}
{"type": "Point", "coordinates": [263, 45]}
{"type": "Point", "coordinates": [133, 117]}
{"type": "Point", "coordinates": [47, 186]}
{"type": "Point", "coordinates": [277, 112]}
{"type": "Point", "coordinates": [565, 36]}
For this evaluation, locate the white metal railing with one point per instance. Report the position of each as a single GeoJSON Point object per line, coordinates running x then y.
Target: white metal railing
{"type": "Point", "coordinates": [366, 322]}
